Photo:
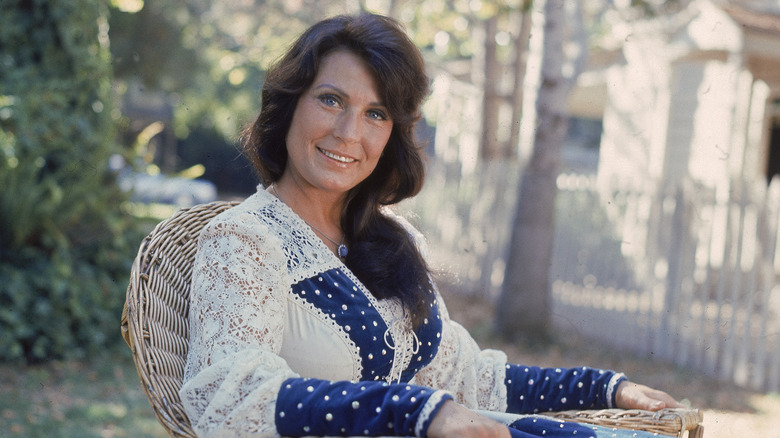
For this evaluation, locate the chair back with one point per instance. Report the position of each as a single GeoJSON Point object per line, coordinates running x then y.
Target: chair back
{"type": "Point", "coordinates": [154, 318]}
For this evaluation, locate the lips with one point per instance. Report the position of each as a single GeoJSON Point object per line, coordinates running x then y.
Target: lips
{"type": "Point", "coordinates": [338, 158]}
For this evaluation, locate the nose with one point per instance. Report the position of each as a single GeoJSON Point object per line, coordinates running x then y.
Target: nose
{"type": "Point", "coordinates": [348, 127]}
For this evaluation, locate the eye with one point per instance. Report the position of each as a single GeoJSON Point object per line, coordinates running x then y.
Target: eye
{"type": "Point", "coordinates": [330, 100]}
{"type": "Point", "coordinates": [377, 115]}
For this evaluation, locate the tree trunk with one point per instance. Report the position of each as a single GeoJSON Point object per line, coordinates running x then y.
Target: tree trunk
{"type": "Point", "coordinates": [524, 308]}
{"type": "Point", "coordinates": [490, 148]}
{"type": "Point", "coordinates": [521, 55]}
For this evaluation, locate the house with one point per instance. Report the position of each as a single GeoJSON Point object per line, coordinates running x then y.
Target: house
{"type": "Point", "coordinates": [692, 95]}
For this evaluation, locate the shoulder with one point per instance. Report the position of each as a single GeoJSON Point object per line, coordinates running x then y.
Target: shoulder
{"type": "Point", "coordinates": [252, 216]}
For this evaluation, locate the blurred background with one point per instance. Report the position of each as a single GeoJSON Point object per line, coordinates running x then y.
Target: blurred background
{"type": "Point", "coordinates": [601, 184]}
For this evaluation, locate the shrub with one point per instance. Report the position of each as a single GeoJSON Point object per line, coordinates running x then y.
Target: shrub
{"type": "Point", "coordinates": [65, 246]}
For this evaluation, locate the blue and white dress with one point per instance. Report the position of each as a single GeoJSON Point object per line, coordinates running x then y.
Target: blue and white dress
{"type": "Point", "coordinates": [286, 341]}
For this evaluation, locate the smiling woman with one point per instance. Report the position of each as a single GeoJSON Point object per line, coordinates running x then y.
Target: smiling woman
{"type": "Point", "coordinates": [312, 309]}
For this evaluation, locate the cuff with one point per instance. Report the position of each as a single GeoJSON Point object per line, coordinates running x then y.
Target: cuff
{"type": "Point", "coordinates": [611, 394]}
{"type": "Point", "coordinates": [429, 411]}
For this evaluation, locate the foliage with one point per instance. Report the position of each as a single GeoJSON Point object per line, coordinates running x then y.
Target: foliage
{"type": "Point", "coordinates": [64, 245]}
{"type": "Point", "coordinates": [224, 166]}
{"type": "Point", "coordinates": [209, 58]}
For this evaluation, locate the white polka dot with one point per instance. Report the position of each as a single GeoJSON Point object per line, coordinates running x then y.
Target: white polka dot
{"type": "Point", "coordinates": [310, 388]}
{"type": "Point", "coordinates": [281, 414]}
{"type": "Point", "coordinates": [329, 416]}
{"type": "Point", "coordinates": [355, 405]}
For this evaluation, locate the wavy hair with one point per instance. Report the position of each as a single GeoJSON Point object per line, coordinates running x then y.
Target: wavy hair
{"type": "Point", "coordinates": [382, 254]}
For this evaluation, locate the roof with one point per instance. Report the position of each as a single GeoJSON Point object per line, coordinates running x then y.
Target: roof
{"type": "Point", "coordinates": [755, 20]}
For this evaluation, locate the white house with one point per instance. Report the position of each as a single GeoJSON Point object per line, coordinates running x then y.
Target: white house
{"type": "Point", "coordinates": [696, 94]}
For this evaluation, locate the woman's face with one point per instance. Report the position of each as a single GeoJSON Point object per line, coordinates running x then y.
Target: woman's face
{"type": "Point", "coordinates": [339, 128]}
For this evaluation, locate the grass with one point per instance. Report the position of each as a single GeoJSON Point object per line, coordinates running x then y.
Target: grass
{"type": "Point", "coordinates": [101, 397]}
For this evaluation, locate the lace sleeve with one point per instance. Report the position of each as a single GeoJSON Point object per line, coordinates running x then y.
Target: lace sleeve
{"type": "Point", "coordinates": [233, 372]}
{"type": "Point", "coordinates": [474, 376]}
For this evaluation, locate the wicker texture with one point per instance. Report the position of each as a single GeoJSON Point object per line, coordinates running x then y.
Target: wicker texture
{"type": "Point", "coordinates": [155, 327]}
{"type": "Point", "coordinates": [673, 422]}
{"type": "Point", "coordinates": [154, 319]}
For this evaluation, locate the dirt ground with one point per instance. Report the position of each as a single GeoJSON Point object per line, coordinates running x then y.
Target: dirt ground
{"type": "Point", "coordinates": [729, 411]}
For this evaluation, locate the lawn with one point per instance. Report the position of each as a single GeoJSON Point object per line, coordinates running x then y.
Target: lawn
{"type": "Point", "coordinates": [101, 397]}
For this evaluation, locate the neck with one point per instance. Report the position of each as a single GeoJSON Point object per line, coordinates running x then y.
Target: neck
{"type": "Point", "coordinates": [321, 211]}
{"type": "Point", "coordinates": [318, 207]}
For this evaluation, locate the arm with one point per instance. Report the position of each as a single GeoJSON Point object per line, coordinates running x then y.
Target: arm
{"type": "Point", "coordinates": [236, 383]}
{"type": "Point", "coordinates": [482, 379]}
{"type": "Point", "coordinates": [233, 372]}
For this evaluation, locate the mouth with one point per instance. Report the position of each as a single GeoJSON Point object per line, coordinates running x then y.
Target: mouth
{"type": "Point", "coordinates": [338, 158]}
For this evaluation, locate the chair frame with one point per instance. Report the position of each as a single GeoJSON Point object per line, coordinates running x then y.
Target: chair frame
{"type": "Point", "coordinates": [154, 325]}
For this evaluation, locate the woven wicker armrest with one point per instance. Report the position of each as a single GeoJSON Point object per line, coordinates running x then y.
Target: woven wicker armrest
{"type": "Point", "coordinates": [672, 422]}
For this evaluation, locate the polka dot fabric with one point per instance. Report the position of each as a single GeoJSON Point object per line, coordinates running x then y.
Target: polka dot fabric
{"type": "Point", "coordinates": [534, 389]}
{"type": "Point", "coordinates": [321, 408]}
{"type": "Point", "coordinates": [381, 344]}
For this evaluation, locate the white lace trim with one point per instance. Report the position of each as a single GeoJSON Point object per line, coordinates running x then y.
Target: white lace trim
{"type": "Point", "coordinates": [611, 387]}
{"type": "Point", "coordinates": [427, 410]}
{"type": "Point", "coordinates": [400, 338]}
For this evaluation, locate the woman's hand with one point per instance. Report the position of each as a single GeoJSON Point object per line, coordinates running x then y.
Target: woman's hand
{"type": "Point", "coordinates": [631, 395]}
{"type": "Point", "coordinates": [455, 420]}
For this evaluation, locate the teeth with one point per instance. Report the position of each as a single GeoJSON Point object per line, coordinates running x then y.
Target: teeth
{"type": "Point", "coordinates": [336, 157]}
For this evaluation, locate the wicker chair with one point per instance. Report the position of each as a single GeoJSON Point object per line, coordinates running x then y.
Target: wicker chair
{"type": "Point", "coordinates": [155, 327]}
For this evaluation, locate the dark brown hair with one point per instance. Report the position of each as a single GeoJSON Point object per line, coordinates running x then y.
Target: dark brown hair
{"type": "Point", "coordinates": [381, 254]}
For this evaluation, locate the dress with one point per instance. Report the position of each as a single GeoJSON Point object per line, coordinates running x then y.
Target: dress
{"type": "Point", "coordinates": [286, 341]}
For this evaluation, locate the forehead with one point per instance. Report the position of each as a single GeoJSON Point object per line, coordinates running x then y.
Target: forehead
{"type": "Point", "coordinates": [346, 70]}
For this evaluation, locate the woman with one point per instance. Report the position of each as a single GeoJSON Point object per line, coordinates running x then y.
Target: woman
{"type": "Point", "coordinates": [312, 309]}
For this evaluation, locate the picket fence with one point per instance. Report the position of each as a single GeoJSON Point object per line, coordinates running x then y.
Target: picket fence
{"type": "Point", "coordinates": [677, 274]}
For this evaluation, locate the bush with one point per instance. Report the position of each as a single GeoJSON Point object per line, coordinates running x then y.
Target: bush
{"type": "Point", "coordinates": [225, 166]}
{"type": "Point", "coordinates": [65, 246]}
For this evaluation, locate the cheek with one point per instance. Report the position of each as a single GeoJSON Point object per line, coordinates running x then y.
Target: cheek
{"type": "Point", "coordinates": [383, 138]}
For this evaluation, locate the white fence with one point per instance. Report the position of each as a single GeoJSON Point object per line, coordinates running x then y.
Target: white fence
{"type": "Point", "coordinates": [680, 275]}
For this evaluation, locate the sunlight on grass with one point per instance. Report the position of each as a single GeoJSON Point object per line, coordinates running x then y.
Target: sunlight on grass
{"type": "Point", "coordinates": [97, 398]}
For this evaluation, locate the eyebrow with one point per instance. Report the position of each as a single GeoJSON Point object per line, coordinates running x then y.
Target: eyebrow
{"type": "Point", "coordinates": [345, 94]}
